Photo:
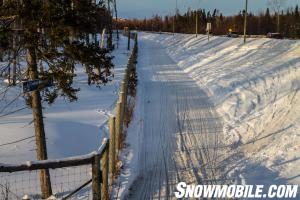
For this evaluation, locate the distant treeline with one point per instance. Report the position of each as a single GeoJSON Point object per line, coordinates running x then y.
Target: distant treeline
{"type": "Point", "coordinates": [260, 24]}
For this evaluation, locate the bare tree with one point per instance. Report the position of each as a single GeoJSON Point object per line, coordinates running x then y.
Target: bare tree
{"type": "Point", "coordinates": [277, 7]}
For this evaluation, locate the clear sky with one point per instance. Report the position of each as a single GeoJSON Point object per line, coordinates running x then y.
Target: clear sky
{"type": "Point", "coordinates": [148, 8]}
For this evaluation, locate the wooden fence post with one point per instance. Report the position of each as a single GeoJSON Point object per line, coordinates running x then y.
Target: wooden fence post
{"type": "Point", "coordinates": [96, 178]}
{"type": "Point", "coordinates": [104, 169]}
{"type": "Point", "coordinates": [124, 90]}
{"type": "Point", "coordinates": [128, 45]}
{"type": "Point", "coordinates": [112, 146]}
{"type": "Point", "coordinates": [118, 130]}
{"type": "Point", "coordinates": [122, 113]}
{"type": "Point", "coordinates": [136, 39]}
{"type": "Point", "coordinates": [126, 84]}
{"type": "Point", "coordinates": [126, 77]}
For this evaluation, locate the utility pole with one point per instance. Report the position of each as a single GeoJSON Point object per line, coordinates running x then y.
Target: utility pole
{"type": "Point", "coordinates": [109, 42]}
{"type": "Point", "coordinates": [116, 13]}
{"type": "Point", "coordinates": [173, 25]}
{"type": "Point", "coordinates": [197, 23]}
{"type": "Point", "coordinates": [245, 22]}
{"type": "Point", "coordinates": [175, 17]}
{"type": "Point", "coordinates": [197, 19]}
{"type": "Point", "coordinates": [208, 29]}
{"type": "Point", "coordinates": [278, 22]}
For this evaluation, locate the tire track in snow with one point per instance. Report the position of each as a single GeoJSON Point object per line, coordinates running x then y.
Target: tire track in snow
{"type": "Point", "coordinates": [180, 139]}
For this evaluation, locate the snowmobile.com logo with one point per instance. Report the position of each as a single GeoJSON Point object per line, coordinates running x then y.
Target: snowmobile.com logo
{"type": "Point", "coordinates": [236, 191]}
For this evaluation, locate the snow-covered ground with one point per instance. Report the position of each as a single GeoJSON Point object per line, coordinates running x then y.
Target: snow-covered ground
{"type": "Point", "coordinates": [71, 128]}
{"type": "Point", "coordinates": [182, 80]}
{"type": "Point", "coordinates": [255, 87]}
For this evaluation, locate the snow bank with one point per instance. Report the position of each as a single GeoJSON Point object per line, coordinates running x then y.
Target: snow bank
{"type": "Point", "coordinates": [255, 87]}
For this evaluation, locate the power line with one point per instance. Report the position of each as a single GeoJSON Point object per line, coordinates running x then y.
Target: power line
{"type": "Point", "coordinates": [14, 142]}
{"type": "Point", "coordinates": [12, 112]}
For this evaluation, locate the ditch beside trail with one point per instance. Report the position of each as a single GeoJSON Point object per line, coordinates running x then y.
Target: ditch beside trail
{"type": "Point", "coordinates": [180, 138]}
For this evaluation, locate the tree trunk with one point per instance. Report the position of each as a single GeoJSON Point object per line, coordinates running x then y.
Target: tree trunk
{"type": "Point", "coordinates": [14, 71]}
{"type": "Point", "coordinates": [38, 124]}
{"type": "Point", "coordinates": [9, 75]}
{"type": "Point", "coordinates": [102, 38]}
{"type": "Point", "coordinates": [1, 55]}
{"type": "Point", "coordinates": [9, 69]}
{"type": "Point", "coordinates": [87, 38]}
{"type": "Point", "coordinates": [71, 35]}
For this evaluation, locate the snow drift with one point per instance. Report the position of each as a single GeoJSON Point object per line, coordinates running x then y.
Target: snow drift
{"type": "Point", "coordinates": [255, 87]}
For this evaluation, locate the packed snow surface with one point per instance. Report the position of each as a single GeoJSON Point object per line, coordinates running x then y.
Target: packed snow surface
{"type": "Point", "coordinates": [176, 134]}
{"type": "Point", "coordinates": [254, 88]}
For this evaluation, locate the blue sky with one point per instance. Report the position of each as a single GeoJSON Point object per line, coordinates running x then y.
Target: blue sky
{"type": "Point", "coordinates": [147, 8]}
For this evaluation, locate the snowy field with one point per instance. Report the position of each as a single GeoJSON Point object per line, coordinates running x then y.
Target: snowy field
{"type": "Point", "coordinates": [254, 89]}
{"type": "Point", "coordinates": [71, 128]}
{"type": "Point", "coordinates": [183, 80]}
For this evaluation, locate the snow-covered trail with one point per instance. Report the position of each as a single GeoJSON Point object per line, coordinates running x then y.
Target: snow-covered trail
{"type": "Point", "coordinates": [179, 135]}
{"type": "Point", "coordinates": [255, 87]}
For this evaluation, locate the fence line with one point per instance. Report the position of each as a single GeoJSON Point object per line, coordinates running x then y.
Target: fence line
{"type": "Point", "coordinates": [90, 159]}
{"type": "Point", "coordinates": [102, 162]}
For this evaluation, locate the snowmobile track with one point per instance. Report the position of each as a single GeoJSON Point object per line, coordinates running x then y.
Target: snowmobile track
{"type": "Point", "coordinates": [181, 129]}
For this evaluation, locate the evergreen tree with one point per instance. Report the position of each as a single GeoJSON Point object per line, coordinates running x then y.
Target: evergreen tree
{"type": "Point", "coordinates": [50, 33]}
{"type": "Point", "coordinates": [259, 24]}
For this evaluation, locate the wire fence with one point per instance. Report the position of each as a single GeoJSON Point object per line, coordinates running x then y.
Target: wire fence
{"type": "Point", "coordinates": [81, 177]}
{"type": "Point", "coordinates": [63, 181]}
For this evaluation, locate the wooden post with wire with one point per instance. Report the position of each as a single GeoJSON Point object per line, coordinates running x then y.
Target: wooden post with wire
{"type": "Point", "coordinates": [104, 170]}
{"type": "Point", "coordinates": [124, 90]}
{"type": "Point", "coordinates": [122, 113]}
{"type": "Point", "coordinates": [118, 130]}
{"type": "Point", "coordinates": [128, 45]}
{"type": "Point", "coordinates": [112, 146]}
{"type": "Point", "coordinates": [96, 178]}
